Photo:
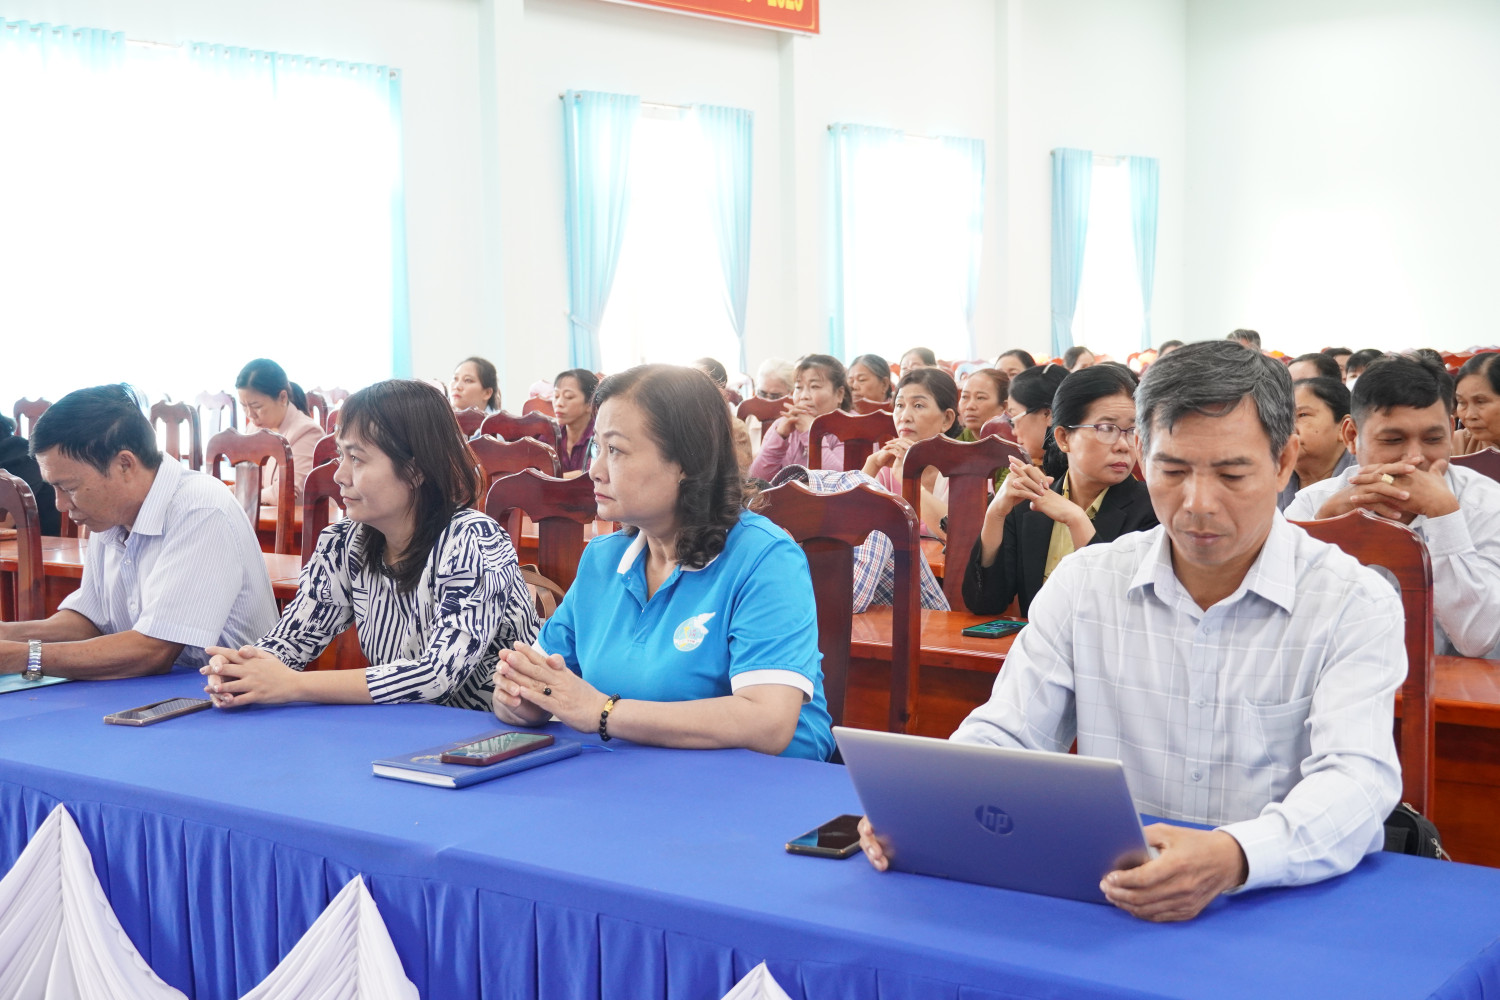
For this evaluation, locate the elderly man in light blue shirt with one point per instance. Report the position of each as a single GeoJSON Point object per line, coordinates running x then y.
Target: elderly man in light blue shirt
{"type": "Point", "coordinates": [1243, 672]}
{"type": "Point", "coordinates": [172, 565]}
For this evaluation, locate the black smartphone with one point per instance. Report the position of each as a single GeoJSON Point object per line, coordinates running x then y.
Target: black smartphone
{"type": "Point", "coordinates": [838, 838]}
{"type": "Point", "coordinates": [157, 711]}
{"type": "Point", "coordinates": [997, 629]}
{"type": "Point", "coordinates": [496, 748]}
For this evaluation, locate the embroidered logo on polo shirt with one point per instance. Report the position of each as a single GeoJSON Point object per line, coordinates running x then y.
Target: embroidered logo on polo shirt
{"type": "Point", "coordinates": [691, 633]}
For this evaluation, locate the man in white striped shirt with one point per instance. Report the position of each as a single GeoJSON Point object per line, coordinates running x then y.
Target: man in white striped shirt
{"type": "Point", "coordinates": [173, 564]}
{"type": "Point", "coordinates": [1243, 672]}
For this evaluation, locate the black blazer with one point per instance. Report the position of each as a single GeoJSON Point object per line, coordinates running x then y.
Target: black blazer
{"type": "Point", "coordinates": [1017, 572]}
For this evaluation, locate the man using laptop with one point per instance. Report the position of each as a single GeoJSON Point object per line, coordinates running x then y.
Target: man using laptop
{"type": "Point", "coordinates": [1243, 672]}
{"type": "Point", "coordinates": [173, 564]}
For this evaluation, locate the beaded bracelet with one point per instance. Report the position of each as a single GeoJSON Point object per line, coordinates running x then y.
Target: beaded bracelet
{"type": "Point", "coordinates": [609, 706]}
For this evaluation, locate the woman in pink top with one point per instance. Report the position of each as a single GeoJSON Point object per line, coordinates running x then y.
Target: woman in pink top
{"type": "Point", "coordinates": [926, 406]}
{"type": "Point", "coordinates": [820, 386]}
{"type": "Point", "coordinates": [272, 402]}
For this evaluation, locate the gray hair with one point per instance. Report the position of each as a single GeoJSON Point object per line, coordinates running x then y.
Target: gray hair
{"type": "Point", "coordinates": [1212, 378]}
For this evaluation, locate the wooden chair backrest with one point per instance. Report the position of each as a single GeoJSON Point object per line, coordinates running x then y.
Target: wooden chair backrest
{"type": "Point", "coordinates": [1375, 541]}
{"type": "Point", "coordinates": [257, 449]}
{"type": "Point", "coordinates": [764, 410]}
{"type": "Point", "coordinates": [29, 410]}
{"type": "Point", "coordinates": [863, 406]}
{"type": "Point", "coordinates": [335, 396]}
{"type": "Point", "coordinates": [172, 416]}
{"type": "Point", "coordinates": [536, 404]}
{"type": "Point", "coordinates": [317, 491]}
{"type": "Point", "coordinates": [970, 467]}
{"type": "Point", "coordinates": [998, 427]}
{"type": "Point", "coordinates": [828, 526]}
{"type": "Point", "coordinates": [17, 500]}
{"type": "Point", "coordinates": [469, 421]}
{"type": "Point", "coordinates": [317, 407]}
{"type": "Point", "coordinates": [331, 422]}
{"type": "Point", "coordinates": [212, 407]}
{"type": "Point", "coordinates": [509, 427]}
{"type": "Point", "coordinates": [560, 508]}
{"type": "Point", "coordinates": [501, 458]}
{"type": "Point", "coordinates": [1486, 463]}
{"type": "Point", "coordinates": [861, 433]}
{"type": "Point", "coordinates": [326, 450]}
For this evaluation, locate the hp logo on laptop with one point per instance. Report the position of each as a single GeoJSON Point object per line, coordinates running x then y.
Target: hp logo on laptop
{"type": "Point", "coordinates": [994, 819]}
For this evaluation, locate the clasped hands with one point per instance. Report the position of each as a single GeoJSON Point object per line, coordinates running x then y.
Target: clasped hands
{"type": "Point", "coordinates": [798, 415]}
{"type": "Point", "coordinates": [1026, 484]}
{"type": "Point", "coordinates": [1397, 491]}
{"type": "Point", "coordinates": [531, 688]}
{"type": "Point", "coordinates": [248, 676]}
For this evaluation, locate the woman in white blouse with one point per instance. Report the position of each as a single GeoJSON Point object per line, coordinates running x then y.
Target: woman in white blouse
{"type": "Point", "coordinates": [274, 403]}
{"type": "Point", "coordinates": [432, 586]}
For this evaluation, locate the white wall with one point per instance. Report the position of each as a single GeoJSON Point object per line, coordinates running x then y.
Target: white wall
{"type": "Point", "coordinates": [1103, 75]}
{"type": "Point", "coordinates": [1343, 157]}
{"type": "Point", "coordinates": [435, 43]}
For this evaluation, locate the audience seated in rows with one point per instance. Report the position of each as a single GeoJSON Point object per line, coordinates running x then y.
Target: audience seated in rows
{"type": "Point", "coordinates": [820, 386]}
{"type": "Point", "coordinates": [1245, 338]}
{"type": "Point", "coordinates": [1077, 357]}
{"type": "Point", "coordinates": [1357, 362]}
{"type": "Point", "coordinates": [1015, 361]}
{"type": "Point", "coordinates": [1322, 407]}
{"type": "Point", "coordinates": [1340, 355]}
{"type": "Point", "coordinates": [1029, 405]}
{"type": "Point", "coordinates": [572, 408]}
{"type": "Point", "coordinates": [926, 406]}
{"type": "Point", "coordinates": [715, 370]}
{"type": "Point", "coordinates": [773, 379]}
{"type": "Point", "coordinates": [1243, 672]}
{"type": "Point", "coordinates": [431, 585]}
{"type": "Point", "coordinates": [870, 378]}
{"type": "Point", "coordinates": [1083, 493]}
{"type": "Point", "coordinates": [16, 458]}
{"type": "Point", "coordinates": [1308, 366]}
{"type": "Point", "coordinates": [475, 386]}
{"type": "Point", "coordinates": [980, 400]}
{"type": "Point", "coordinates": [1477, 399]}
{"type": "Point", "coordinates": [917, 357]}
{"type": "Point", "coordinates": [1401, 435]}
{"type": "Point", "coordinates": [173, 563]}
{"type": "Point", "coordinates": [1167, 347]}
{"type": "Point", "coordinates": [272, 402]}
{"type": "Point", "coordinates": [695, 627]}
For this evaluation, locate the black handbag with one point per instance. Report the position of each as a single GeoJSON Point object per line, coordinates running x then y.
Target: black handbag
{"type": "Point", "coordinates": [1409, 832]}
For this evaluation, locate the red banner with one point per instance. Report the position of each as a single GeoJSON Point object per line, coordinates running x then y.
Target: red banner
{"type": "Point", "coordinates": [788, 15]}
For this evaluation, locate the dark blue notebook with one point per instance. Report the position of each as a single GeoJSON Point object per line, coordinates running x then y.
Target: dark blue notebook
{"type": "Point", "coordinates": [427, 767]}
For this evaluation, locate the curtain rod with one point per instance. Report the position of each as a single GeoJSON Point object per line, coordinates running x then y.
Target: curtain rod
{"type": "Point", "coordinates": [648, 104]}
{"type": "Point", "coordinates": [149, 44]}
{"type": "Point", "coordinates": [904, 135]}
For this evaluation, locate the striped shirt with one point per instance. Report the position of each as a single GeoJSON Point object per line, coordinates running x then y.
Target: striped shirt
{"type": "Point", "coordinates": [188, 570]}
{"type": "Point", "coordinates": [1268, 715]}
{"type": "Point", "coordinates": [438, 642]}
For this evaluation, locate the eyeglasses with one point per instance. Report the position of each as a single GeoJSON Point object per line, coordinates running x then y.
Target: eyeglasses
{"type": "Point", "coordinates": [1107, 433]}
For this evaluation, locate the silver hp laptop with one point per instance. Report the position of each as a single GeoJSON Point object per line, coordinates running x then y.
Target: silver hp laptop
{"type": "Point", "coordinates": [1050, 823]}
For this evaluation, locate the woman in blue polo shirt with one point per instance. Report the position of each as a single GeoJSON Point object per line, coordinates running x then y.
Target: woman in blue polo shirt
{"type": "Point", "coordinates": [694, 627]}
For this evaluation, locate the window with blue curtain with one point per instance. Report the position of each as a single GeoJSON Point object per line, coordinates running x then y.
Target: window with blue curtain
{"type": "Point", "coordinates": [906, 237]}
{"type": "Point", "coordinates": [177, 210]}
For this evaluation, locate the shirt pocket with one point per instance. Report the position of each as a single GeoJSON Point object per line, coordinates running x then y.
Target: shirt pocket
{"type": "Point", "coordinates": [1277, 732]}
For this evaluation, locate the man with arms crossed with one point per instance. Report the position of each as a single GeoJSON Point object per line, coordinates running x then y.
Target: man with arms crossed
{"type": "Point", "coordinates": [173, 564]}
{"type": "Point", "coordinates": [1400, 430]}
{"type": "Point", "coordinates": [1244, 673]}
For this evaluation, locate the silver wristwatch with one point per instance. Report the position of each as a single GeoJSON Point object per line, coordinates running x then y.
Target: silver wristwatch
{"type": "Point", "coordinates": [33, 671]}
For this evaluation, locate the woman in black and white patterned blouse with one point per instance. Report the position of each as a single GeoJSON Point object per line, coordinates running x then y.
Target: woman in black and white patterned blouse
{"type": "Point", "coordinates": [433, 587]}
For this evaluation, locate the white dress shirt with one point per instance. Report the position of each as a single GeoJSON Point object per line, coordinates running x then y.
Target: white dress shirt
{"type": "Point", "coordinates": [189, 570]}
{"type": "Point", "coordinates": [1464, 547]}
{"type": "Point", "coordinates": [1269, 715]}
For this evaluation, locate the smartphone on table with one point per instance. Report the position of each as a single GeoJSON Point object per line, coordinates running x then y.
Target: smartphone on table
{"type": "Point", "coordinates": [496, 748]}
{"type": "Point", "coordinates": [838, 838]}
{"type": "Point", "coordinates": [157, 711]}
{"type": "Point", "coordinates": [997, 629]}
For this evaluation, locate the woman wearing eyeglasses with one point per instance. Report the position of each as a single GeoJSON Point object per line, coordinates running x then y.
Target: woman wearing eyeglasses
{"type": "Point", "coordinates": [1083, 492]}
{"type": "Point", "coordinates": [1028, 403]}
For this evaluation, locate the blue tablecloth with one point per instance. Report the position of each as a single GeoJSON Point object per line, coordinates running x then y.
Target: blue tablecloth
{"type": "Point", "coordinates": [639, 873]}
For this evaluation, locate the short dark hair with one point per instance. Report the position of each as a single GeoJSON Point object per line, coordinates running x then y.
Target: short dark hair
{"type": "Point", "coordinates": [412, 422]}
{"type": "Point", "coordinates": [924, 355]}
{"type": "Point", "coordinates": [1324, 363]}
{"type": "Point", "coordinates": [714, 369]}
{"type": "Point", "coordinates": [269, 379]}
{"type": "Point", "coordinates": [943, 389]}
{"type": "Point", "coordinates": [687, 418]}
{"type": "Point", "coordinates": [1428, 354]}
{"type": "Point", "coordinates": [488, 378]}
{"type": "Point", "coordinates": [1360, 360]}
{"type": "Point", "coordinates": [879, 367]}
{"type": "Point", "coordinates": [1212, 378]}
{"type": "Point", "coordinates": [833, 369]}
{"type": "Point", "coordinates": [1035, 387]}
{"type": "Point", "coordinates": [995, 375]}
{"type": "Point", "coordinates": [1334, 352]}
{"type": "Point", "coordinates": [1075, 394]}
{"type": "Point", "coordinates": [1072, 354]}
{"type": "Point", "coordinates": [1248, 338]}
{"type": "Point", "coordinates": [1165, 344]}
{"type": "Point", "coordinates": [1482, 364]}
{"type": "Point", "coordinates": [1022, 356]}
{"type": "Point", "coordinates": [587, 380]}
{"type": "Point", "coordinates": [94, 425]}
{"type": "Point", "coordinates": [1331, 391]}
{"type": "Point", "coordinates": [1398, 380]}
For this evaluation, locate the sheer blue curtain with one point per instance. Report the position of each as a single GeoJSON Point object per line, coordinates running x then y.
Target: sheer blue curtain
{"type": "Point", "coordinates": [727, 135]}
{"type": "Point", "coordinates": [855, 219]}
{"type": "Point", "coordinates": [1144, 186]}
{"type": "Point", "coordinates": [597, 129]}
{"type": "Point", "coordinates": [968, 195]}
{"type": "Point", "coordinates": [1072, 176]}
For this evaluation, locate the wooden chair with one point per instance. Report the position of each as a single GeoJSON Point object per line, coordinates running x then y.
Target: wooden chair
{"type": "Point", "coordinates": [172, 416]}
{"type": "Point", "coordinates": [998, 427]}
{"type": "Point", "coordinates": [536, 404]}
{"type": "Point", "coordinates": [335, 396]}
{"type": "Point", "coordinates": [764, 410]}
{"type": "Point", "coordinates": [213, 405]}
{"type": "Point", "coordinates": [331, 422]}
{"type": "Point", "coordinates": [326, 450]}
{"type": "Point", "coordinates": [30, 410]}
{"type": "Point", "coordinates": [317, 407]}
{"type": "Point", "coordinates": [17, 500]}
{"type": "Point", "coordinates": [970, 467]}
{"type": "Point", "coordinates": [1375, 541]}
{"type": "Point", "coordinates": [560, 508]}
{"type": "Point", "coordinates": [509, 427]}
{"type": "Point", "coordinates": [502, 458]}
{"type": "Point", "coordinates": [469, 421]}
{"type": "Point", "coordinates": [828, 526]}
{"type": "Point", "coordinates": [1486, 463]}
{"type": "Point", "coordinates": [256, 449]}
{"type": "Point", "coordinates": [861, 434]}
{"type": "Point", "coordinates": [862, 406]}
{"type": "Point", "coordinates": [318, 491]}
